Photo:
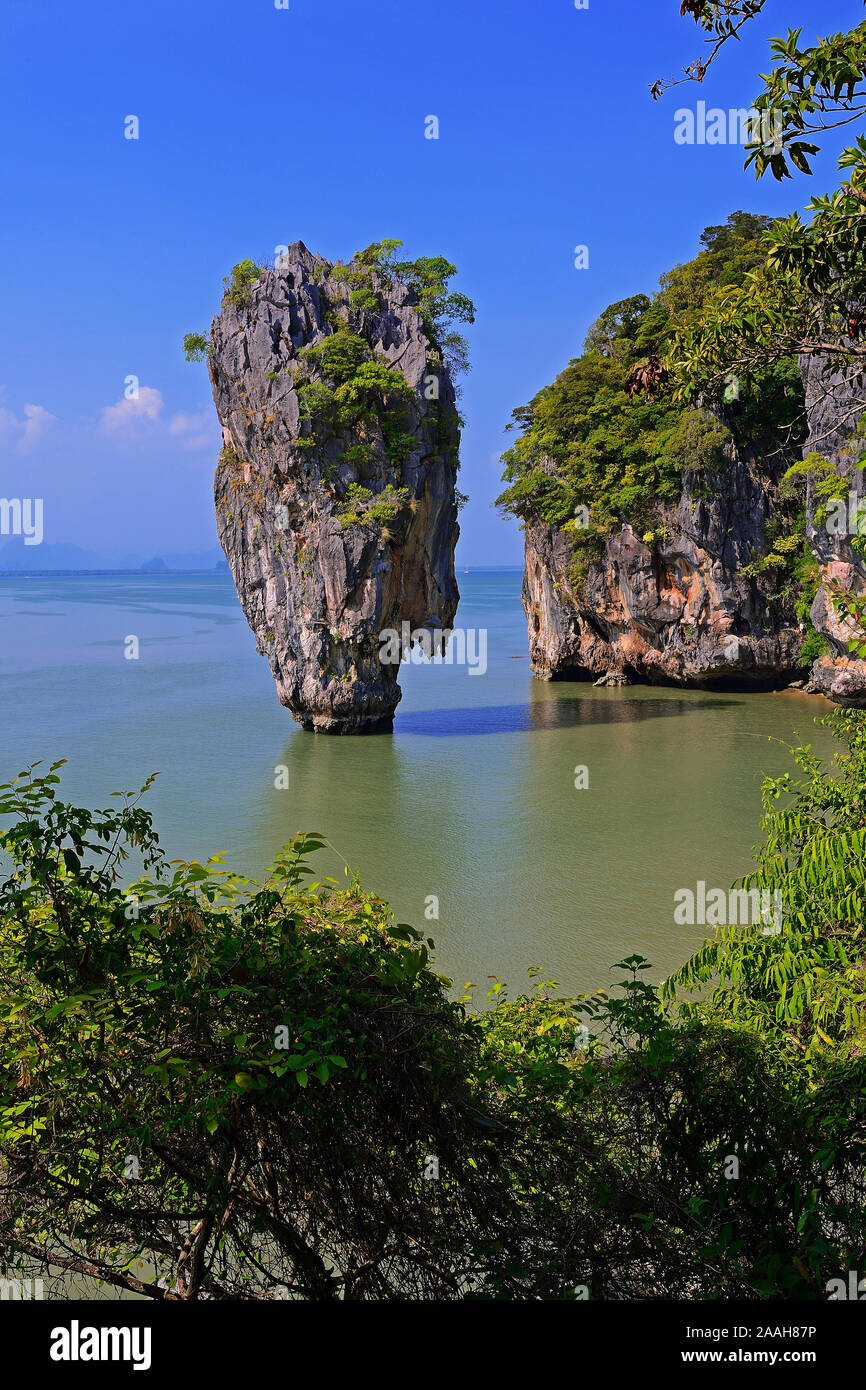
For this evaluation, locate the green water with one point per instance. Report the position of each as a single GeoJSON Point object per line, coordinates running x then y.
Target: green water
{"type": "Point", "coordinates": [471, 800]}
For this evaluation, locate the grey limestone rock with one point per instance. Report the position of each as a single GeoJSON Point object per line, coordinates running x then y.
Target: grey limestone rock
{"type": "Point", "coordinates": [834, 407]}
{"type": "Point", "coordinates": [676, 609]}
{"type": "Point", "coordinates": [316, 592]}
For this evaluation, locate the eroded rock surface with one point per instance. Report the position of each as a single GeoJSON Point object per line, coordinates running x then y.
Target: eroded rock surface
{"type": "Point", "coordinates": [834, 410]}
{"type": "Point", "coordinates": [316, 592]}
{"type": "Point", "coordinates": [677, 609]}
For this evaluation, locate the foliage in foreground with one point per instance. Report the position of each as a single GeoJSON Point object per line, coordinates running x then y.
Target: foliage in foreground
{"type": "Point", "coordinates": [214, 1089]}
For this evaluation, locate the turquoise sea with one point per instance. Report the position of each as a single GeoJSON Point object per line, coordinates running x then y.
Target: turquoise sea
{"type": "Point", "coordinates": [472, 800]}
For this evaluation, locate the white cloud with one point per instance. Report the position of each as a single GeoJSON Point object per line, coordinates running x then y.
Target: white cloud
{"type": "Point", "coordinates": [142, 417]}
{"type": "Point", "coordinates": [134, 414]}
{"type": "Point", "coordinates": [23, 433]}
{"type": "Point", "coordinates": [197, 431]}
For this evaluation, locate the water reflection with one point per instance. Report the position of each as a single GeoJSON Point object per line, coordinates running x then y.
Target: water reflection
{"type": "Point", "coordinates": [560, 712]}
{"type": "Point", "coordinates": [524, 865]}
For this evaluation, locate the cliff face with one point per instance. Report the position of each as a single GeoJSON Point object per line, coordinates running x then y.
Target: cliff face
{"type": "Point", "coordinates": [335, 491]}
{"type": "Point", "coordinates": [714, 578]}
{"type": "Point", "coordinates": [677, 610]}
{"type": "Point", "coordinates": [834, 408]}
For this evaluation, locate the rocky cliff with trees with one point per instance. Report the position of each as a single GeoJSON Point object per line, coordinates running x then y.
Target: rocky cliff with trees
{"type": "Point", "coordinates": [335, 491]}
{"type": "Point", "coordinates": [664, 541]}
{"type": "Point", "coordinates": [694, 523]}
{"type": "Point", "coordinates": [691, 486]}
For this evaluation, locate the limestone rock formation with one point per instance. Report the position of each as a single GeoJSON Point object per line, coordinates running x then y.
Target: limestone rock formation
{"type": "Point", "coordinates": [675, 610]}
{"type": "Point", "coordinates": [834, 408]}
{"type": "Point", "coordinates": [335, 490]}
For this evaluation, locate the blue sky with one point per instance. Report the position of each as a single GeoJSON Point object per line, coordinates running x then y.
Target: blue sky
{"type": "Point", "coordinates": [261, 126]}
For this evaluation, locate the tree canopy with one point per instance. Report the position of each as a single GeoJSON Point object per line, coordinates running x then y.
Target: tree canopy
{"type": "Point", "coordinates": [610, 435]}
{"type": "Point", "coordinates": [211, 1088]}
{"type": "Point", "coordinates": [806, 294]}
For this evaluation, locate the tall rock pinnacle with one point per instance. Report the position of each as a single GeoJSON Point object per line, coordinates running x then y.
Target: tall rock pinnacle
{"type": "Point", "coordinates": [335, 488]}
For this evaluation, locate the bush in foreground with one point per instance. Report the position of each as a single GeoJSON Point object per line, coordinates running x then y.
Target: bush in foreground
{"type": "Point", "coordinates": [212, 1088]}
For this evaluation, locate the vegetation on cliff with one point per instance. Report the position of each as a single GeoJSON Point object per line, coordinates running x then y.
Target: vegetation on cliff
{"type": "Point", "coordinates": [806, 293]}
{"type": "Point", "coordinates": [803, 292]}
{"type": "Point", "coordinates": [712, 359]}
{"type": "Point", "coordinates": [428, 279]}
{"type": "Point", "coordinates": [335, 492]}
{"type": "Point", "coordinates": [211, 1088]}
{"type": "Point", "coordinates": [608, 442]}
{"type": "Point", "coordinates": [344, 387]}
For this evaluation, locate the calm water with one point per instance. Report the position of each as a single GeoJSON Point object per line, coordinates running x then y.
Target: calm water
{"type": "Point", "coordinates": [471, 800]}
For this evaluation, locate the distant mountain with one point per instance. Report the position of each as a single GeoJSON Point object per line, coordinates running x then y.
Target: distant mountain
{"type": "Point", "coordinates": [189, 560]}
{"type": "Point", "coordinates": [16, 556]}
